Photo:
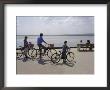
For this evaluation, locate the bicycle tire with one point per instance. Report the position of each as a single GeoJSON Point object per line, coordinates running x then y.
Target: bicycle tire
{"type": "Point", "coordinates": [50, 52]}
{"type": "Point", "coordinates": [55, 58]}
{"type": "Point", "coordinates": [32, 53]}
{"type": "Point", "coordinates": [70, 56]}
{"type": "Point", "coordinates": [19, 55]}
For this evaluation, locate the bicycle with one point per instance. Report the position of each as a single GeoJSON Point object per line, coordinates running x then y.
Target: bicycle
{"type": "Point", "coordinates": [20, 53]}
{"type": "Point", "coordinates": [56, 57]}
{"type": "Point", "coordinates": [35, 53]}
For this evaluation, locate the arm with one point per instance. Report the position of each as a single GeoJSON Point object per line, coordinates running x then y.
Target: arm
{"type": "Point", "coordinates": [68, 48]}
{"type": "Point", "coordinates": [43, 40]}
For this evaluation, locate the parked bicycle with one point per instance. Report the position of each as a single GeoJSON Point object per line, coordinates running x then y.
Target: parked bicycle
{"type": "Point", "coordinates": [56, 57]}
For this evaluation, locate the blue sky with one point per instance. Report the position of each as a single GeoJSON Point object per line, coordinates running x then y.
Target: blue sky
{"type": "Point", "coordinates": [54, 25]}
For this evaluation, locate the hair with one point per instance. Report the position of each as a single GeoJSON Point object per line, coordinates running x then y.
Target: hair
{"type": "Point", "coordinates": [88, 41]}
{"type": "Point", "coordinates": [25, 36]}
{"type": "Point", "coordinates": [65, 42]}
{"type": "Point", "coordinates": [41, 34]}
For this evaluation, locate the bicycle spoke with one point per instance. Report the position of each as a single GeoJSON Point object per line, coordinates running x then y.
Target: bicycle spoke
{"type": "Point", "coordinates": [70, 56]}
{"type": "Point", "coordinates": [55, 58]}
{"type": "Point", "coordinates": [19, 55]}
{"type": "Point", "coordinates": [51, 52]}
{"type": "Point", "coordinates": [32, 54]}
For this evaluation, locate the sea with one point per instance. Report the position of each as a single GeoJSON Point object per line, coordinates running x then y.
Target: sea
{"type": "Point", "coordinates": [57, 40]}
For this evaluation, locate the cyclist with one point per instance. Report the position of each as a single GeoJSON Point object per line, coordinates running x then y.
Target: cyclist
{"type": "Point", "coordinates": [64, 51]}
{"type": "Point", "coordinates": [25, 48]}
{"type": "Point", "coordinates": [40, 40]}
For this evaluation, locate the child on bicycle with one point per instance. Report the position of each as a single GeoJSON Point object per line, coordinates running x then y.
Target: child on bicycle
{"type": "Point", "coordinates": [65, 49]}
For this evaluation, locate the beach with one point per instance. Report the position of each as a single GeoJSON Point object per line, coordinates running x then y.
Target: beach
{"type": "Point", "coordinates": [84, 65]}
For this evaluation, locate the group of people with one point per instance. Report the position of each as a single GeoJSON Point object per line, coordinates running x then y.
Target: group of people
{"type": "Point", "coordinates": [88, 44]}
{"type": "Point", "coordinates": [40, 40]}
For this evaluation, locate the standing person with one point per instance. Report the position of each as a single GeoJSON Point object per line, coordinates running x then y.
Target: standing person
{"type": "Point", "coordinates": [64, 51]}
{"type": "Point", "coordinates": [79, 45]}
{"type": "Point", "coordinates": [40, 40]}
{"type": "Point", "coordinates": [88, 45]}
{"type": "Point", "coordinates": [80, 41]}
{"type": "Point", "coordinates": [25, 48]}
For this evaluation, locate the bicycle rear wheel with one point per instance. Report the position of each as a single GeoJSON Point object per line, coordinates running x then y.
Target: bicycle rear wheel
{"type": "Point", "coordinates": [50, 52]}
{"type": "Point", "coordinates": [55, 58]}
{"type": "Point", "coordinates": [32, 53]}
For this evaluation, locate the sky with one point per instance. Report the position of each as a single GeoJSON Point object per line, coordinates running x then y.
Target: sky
{"type": "Point", "coordinates": [54, 25]}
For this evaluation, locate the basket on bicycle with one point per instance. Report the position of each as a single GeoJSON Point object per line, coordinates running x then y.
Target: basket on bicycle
{"type": "Point", "coordinates": [51, 45]}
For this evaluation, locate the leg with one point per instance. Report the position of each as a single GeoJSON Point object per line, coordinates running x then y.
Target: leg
{"type": "Point", "coordinates": [64, 57]}
{"type": "Point", "coordinates": [44, 48]}
{"type": "Point", "coordinates": [40, 49]}
{"type": "Point", "coordinates": [25, 54]}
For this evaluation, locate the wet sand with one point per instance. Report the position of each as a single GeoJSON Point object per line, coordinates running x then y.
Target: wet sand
{"type": "Point", "coordinates": [84, 65]}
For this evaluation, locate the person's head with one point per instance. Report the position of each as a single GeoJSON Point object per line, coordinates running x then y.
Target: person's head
{"type": "Point", "coordinates": [88, 41]}
{"type": "Point", "coordinates": [65, 42]}
{"type": "Point", "coordinates": [25, 37]}
{"type": "Point", "coordinates": [81, 41]}
{"type": "Point", "coordinates": [41, 34]}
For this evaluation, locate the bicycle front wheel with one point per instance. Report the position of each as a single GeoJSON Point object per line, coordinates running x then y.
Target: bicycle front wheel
{"type": "Point", "coordinates": [70, 56]}
{"type": "Point", "coordinates": [19, 55]}
{"type": "Point", "coordinates": [55, 58]}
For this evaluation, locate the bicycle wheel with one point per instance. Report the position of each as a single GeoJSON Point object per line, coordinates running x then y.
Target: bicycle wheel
{"type": "Point", "coordinates": [70, 56]}
{"type": "Point", "coordinates": [32, 53]}
{"type": "Point", "coordinates": [19, 55]}
{"type": "Point", "coordinates": [50, 52]}
{"type": "Point", "coordinates": [55, 58]}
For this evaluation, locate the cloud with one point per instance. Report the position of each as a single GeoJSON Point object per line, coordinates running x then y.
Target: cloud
{"type": "Point", "coordinates": [49, 25]}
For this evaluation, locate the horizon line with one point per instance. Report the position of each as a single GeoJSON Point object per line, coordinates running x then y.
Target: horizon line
{"type": "Point", "coordinates": [91, 34]}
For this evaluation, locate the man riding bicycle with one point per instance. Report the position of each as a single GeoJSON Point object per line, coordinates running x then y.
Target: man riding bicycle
{"type": "Point", "coordinates": [40, 40]}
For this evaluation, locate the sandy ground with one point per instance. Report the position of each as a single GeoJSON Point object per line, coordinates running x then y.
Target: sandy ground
{"type": "Point", "coordinates": [84, 65]}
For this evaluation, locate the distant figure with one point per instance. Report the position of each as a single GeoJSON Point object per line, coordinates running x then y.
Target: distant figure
{"type": "Point", "coordinates": [88, 45]}
{"type": "Point", "coordinates": [25, 48]}
{"type": "Point", "coordinates": [79, 46]}
{"type": "Point", "coordinates": [88, 42]}
{"type": "Point", "coordinates": [40, 40]}
{"type": "Point", "coordinates": [64, 51]}
{"type": "Point", "coordinates": [80, 41]}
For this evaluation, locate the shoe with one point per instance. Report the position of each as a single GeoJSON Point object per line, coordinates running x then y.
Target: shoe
{"type": "Point", "coordinates": [41, 62]}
